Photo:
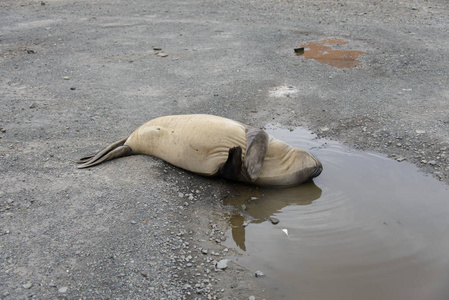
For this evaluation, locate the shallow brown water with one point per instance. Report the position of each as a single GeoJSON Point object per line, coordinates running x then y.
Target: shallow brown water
{"type": "Point", "coordinates": [324, 53]}
{"type": "Point", "coordinates": [367, 228]}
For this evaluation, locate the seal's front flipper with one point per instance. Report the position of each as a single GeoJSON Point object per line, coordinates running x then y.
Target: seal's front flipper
{"type": "Point", "coordinates": [231, 169]}
{"type": "Point", "coordinates": [256, 149]}
{"type": "Point", "coordinates": [115, 150]}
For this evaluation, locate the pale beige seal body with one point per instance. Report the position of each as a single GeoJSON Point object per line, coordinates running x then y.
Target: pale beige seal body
{"type": "Point", "coordinates": [198, 143]}
{"type": "Point", "coordinates": [214, 146]}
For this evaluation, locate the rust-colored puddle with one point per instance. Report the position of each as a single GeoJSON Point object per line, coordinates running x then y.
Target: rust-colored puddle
{"type": "Point", "coordinates": [367, 228]}
{"type": "Point", "coordinates": [327, 52]}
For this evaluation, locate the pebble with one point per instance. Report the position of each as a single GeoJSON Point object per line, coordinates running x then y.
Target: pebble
{"type": "Point", "coordinates": [432, 163]}
{"type": "Point", "coordinates": [399, 159]}
{"type": "Point", "coordinates": [161, 54]}
{"type": "Point", "coordinates": [27, 285]}
{"type": "Point", "coordinates": [252, 298]}
{"type": "Point", "coordinates": [32, 105]}
{"type": "Point", "coordinates": [438, 174]}
{"type": "Point", "coordinates": [259, 274]}
{"type": "Point", "coordinates": [222, 264]}
{"type": "Point", "coordinates": [63, 290]}
{"type": "Point", "coordinates": [274, 221]}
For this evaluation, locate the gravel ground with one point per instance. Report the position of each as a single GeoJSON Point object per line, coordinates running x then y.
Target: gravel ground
{"type": "Point", "coordinates": [78, 75]}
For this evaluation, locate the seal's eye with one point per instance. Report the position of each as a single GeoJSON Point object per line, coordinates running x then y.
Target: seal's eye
{"type": "Point", "coordinates": [158, 128]}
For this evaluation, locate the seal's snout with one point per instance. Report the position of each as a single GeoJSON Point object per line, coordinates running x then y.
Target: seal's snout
{"type": "Point", "coordinates": [317, 171]}
{"type": "Point", "coordinates": [318, 168]}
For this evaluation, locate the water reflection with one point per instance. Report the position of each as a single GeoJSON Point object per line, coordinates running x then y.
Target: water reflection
{"type": "Point", "coordinates": [252, 209]}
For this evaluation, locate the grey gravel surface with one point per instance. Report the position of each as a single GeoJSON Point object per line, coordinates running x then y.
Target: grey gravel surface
{"type": "Point", "coordinates": [78, 75]}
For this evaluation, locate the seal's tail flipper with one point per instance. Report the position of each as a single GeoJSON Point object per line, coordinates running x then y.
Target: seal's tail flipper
{"type": "Point", "coordinates": [115, 150]}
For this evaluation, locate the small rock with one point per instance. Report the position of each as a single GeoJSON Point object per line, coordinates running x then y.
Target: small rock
{"type": "Point", "coordinates": [32, 105]}
{"type": "Point", "coordinates": [63, 290]}
{"type": "Point", "coordinates": [254, 198]}
{"type": "Point", "coordinates": [299, 51]}
{"type": "Point", "coordinates": [432, 163]}
{"type": "Point", "coordinates": [161, 54]}
{"type": "Point", "coordinates": [66, 77]}
{"type": "Point", "coordinates": [274, 221]}
{"type": "Point", "coordinates": [204, 251]}
{"type": "Point", "coordinates": [180, 195]}
{"type": "Point", "coordinates": [243, 207]}
{"type": "Point", "coordinates": [144, 274]}
{"type": "Point", "coordinates": [27, 285]}
{"type": "Point", "coordinates": [157, 48]}
{"type": "Point", "coordinates": [222, 264]}
{"type": "Point", "coordinates": [419, 131]}
{"type": "Point", "coordinates": [438, 174]}
{"type": "Point", "coordinates": [252, 298]}
{"type": "Point", "coordinates": [399, 159]}
{"type": "Point", "coordinates": [73, 88]}
{"type": "Point", "coordinates": [259, 274]}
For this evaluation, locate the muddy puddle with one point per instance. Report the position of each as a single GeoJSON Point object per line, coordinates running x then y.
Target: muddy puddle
{"type": "Point", "coordinates": [368, 228]}
{"type": "Point", "coordinates": [329, 52]}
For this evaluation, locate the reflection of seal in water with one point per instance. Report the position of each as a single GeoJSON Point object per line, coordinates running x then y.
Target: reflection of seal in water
{"type": "Point", "coordinates": [269, 203]}
{"type": "Point", "coordinates": [214, 146]}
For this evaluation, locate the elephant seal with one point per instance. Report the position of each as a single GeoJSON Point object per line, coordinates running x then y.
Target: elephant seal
{"type": "Point", "coordinates": [214, 146]}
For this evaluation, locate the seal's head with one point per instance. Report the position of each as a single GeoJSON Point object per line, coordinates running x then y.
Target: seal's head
{"type": "Point", "coordinates": [286, 166]}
